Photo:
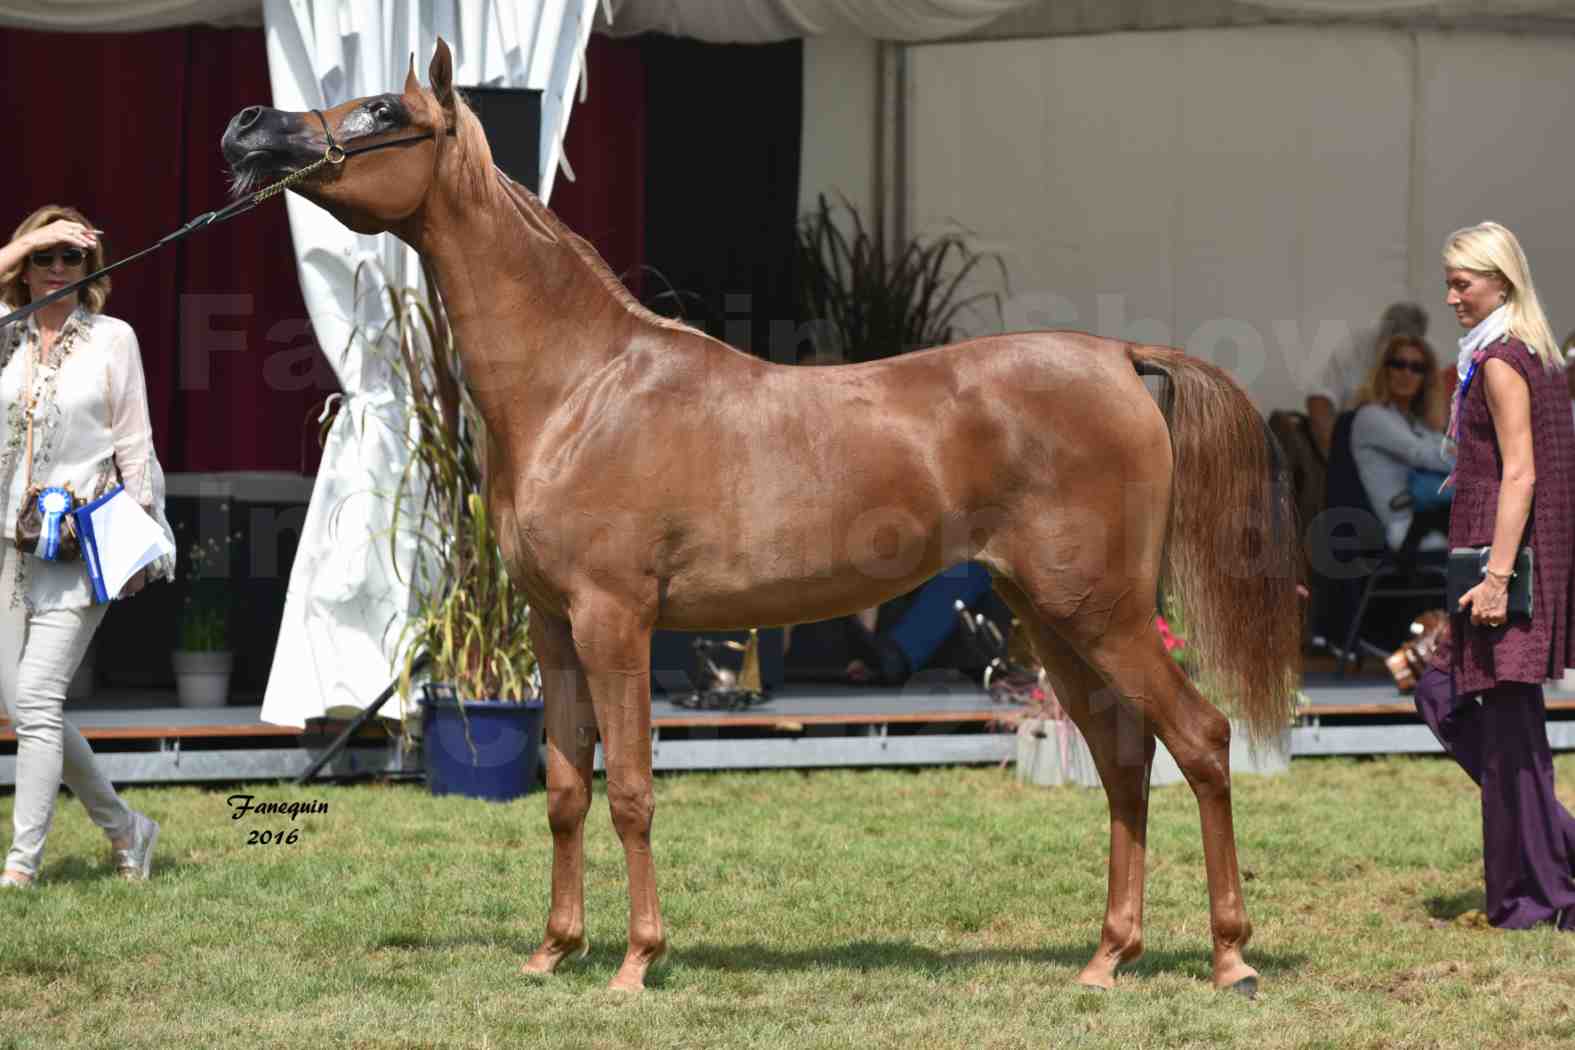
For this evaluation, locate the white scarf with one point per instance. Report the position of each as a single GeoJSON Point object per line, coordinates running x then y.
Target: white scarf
{"type": "Point", "coordinates": [1490, 329]}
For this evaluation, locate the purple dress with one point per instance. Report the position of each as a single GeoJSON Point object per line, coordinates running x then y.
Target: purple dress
{"type": "Point", "coordinates": [1520, 651]}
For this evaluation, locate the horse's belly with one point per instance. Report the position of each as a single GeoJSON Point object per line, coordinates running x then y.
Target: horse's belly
{"type": "Point", "coordinates": [706, 601]}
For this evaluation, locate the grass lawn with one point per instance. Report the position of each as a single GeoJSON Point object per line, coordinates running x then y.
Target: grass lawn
{"type": "Point", "coordinates": [832, 909]}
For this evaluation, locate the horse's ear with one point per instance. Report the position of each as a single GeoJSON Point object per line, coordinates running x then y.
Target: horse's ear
{"type": "Point", "coordinates": [412, 85]}
{"type": "Point", "coordinates": [440, 77]}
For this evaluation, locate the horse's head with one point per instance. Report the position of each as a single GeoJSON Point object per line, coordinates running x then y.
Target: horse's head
{"type": "Point", "coordinates": [386, 155]}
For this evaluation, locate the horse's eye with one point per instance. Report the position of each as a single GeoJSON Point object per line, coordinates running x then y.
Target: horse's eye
{"type": "Point", "coordinates": [380, 110]}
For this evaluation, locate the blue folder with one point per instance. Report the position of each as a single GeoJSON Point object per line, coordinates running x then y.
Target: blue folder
{"type": "Point", "coordinates": [89, 541]}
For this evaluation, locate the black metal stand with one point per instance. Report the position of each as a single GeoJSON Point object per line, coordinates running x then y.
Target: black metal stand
{"type": "Point", "coordinates": [718, 688]}
{"type": "Point", "coordinates": [370, 712]}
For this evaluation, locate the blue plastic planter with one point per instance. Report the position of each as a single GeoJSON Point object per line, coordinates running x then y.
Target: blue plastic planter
{"type": "Point", "coordinates": [498, 757]}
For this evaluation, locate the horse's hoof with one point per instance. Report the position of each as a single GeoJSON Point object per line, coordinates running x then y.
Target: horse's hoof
{"type": "Point", "coordinates": [1247, 986]}
{"type": "Point", "coordinates": [546, 961]}
{"type": "Point", "coordinates": [627, 985]}
{"type": "Point", "coordinates": [535, 973]}
{"type": "Point", "coordinates": [1098, 976]}
{"type": "Point", "coordinates": [631, 975]}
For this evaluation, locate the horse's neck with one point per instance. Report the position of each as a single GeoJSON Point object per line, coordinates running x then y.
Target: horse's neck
{"type": "Point", "coordinates": [531, 320]}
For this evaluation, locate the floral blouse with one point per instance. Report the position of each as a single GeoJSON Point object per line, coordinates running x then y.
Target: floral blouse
{"type": "Point", "coordinates": [90, 424]}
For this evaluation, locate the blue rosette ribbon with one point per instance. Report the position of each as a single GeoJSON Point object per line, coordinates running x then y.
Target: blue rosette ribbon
{"type": "Point", "coordinates": [53, 505]}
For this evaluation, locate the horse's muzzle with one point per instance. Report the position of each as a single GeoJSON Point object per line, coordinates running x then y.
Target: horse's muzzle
{"type": "Point", "coordinates": [262, 143]}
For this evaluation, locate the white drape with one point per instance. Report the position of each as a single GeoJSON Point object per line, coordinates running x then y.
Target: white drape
{"type": "Point", "coordinates": [346, 605]}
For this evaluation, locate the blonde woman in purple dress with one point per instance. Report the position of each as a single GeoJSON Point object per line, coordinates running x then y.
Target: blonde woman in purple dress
{"type": "Point", "coordinates": [1515, 487]}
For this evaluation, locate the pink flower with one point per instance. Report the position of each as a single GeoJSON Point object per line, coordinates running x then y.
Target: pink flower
{"type": "Point", "coordinates": [1172, 641]}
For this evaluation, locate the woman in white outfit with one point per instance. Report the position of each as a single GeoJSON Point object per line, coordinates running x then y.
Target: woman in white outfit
{"type": "Point", "coordinates": [73, 377]}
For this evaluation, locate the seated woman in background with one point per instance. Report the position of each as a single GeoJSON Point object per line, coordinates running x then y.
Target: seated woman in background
{"type": "Point", "coordinates": [1390, 437]}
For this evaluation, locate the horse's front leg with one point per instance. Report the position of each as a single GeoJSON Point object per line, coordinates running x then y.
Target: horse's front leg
{"type": "Point", "coordinates": [613, 637]}
{"type": "Point", "coordinates": [571, 752]}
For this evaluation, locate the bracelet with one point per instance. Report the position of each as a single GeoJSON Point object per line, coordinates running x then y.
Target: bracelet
{"type": "Point", "coordinates": [1503, 577]}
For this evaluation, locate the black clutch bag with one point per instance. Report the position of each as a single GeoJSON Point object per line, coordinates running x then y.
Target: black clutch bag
{"type": "Point", "coordinates": [1465, 572]}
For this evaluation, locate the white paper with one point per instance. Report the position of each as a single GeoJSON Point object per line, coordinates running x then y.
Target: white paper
{"type": "Point", "coordinates": [127, 538]}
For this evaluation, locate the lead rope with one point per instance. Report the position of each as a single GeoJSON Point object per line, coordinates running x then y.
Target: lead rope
{"type": "Point", "coordinates": [334, 155]}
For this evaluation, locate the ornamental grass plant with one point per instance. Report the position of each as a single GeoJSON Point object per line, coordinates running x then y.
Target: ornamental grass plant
{"type": "Point", "coordinates": [467, 617]}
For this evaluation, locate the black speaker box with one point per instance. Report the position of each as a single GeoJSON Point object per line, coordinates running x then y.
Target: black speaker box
{"type": "Point", "coordinates": [511, 118]}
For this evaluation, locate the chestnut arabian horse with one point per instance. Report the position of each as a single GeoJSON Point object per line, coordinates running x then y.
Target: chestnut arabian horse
{"type": "Point", "coordinates": [644, 475]}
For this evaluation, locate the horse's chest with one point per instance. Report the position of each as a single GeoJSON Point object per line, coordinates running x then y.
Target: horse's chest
{"type": "Point", "coordinates": [526, 551]}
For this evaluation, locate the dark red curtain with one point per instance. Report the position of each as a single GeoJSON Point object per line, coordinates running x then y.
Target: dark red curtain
{"type": "Point", "coordinates": [127, 126]}
{"type": "Point", "coordinates": [606, 148]}
{"type": "Point", "coordinates": [131, 137]}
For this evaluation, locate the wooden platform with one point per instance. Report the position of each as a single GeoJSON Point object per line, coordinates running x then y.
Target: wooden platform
{"type": "Point", "coordinates": [1369, 716]}
{"type": "Point", "coordinates": [923, 724]}
{"type": "Point", "coordinates": [144, 738]}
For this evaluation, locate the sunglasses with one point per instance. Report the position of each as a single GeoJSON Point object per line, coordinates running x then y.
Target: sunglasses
{"type": "Point", "coordinates": [68, 256]}
{"type": "Point", "coordinates": [1418, 367]}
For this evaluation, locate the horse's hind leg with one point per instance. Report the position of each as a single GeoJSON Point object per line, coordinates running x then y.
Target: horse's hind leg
{"type": "Point", "coordinates": [571, 751]}
{"type": "Point", "coordinates": [1127, 650]}
{"type": "Point", "coordinates": [1123, 752]}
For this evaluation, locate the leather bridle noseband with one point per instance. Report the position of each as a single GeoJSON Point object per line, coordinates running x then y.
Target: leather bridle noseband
{"type": "Point", "coordinates": [334, 155]}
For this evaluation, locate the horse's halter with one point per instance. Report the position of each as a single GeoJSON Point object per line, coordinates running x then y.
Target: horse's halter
{"type": "Point", "coordinates": [334, 155]}
{"type": "Point", "coordinates": [334, 147]}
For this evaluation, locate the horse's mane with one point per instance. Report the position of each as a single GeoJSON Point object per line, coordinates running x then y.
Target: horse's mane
{"type": "Point", "coordinates": [538, 213]}
{"type": "Point", "coordinates": [476, 158]}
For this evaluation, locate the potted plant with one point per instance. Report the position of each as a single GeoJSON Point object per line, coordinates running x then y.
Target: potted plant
{"type": "Point", "coordinates": [467, 629]}
{"type": "Point", "coordinates": [202, 660]}
{"type": "Point", "coordinates": [867, 302]}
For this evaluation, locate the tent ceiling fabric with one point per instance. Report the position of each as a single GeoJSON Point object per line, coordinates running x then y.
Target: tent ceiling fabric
{"type": "Point", "coordinates": [128, 16]}
{"type": "Point", "coordinates": [761, 21]}
{"type": "Point", "coordinates": [1053, 18]}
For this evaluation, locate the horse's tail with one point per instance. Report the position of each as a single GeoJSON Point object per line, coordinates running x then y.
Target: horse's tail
{"type": "Point", "coordinates": [1231, 551]}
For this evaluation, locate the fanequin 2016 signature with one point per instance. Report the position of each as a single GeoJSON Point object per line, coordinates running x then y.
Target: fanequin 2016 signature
{"type": "Point", "coordinates": [244, 804]}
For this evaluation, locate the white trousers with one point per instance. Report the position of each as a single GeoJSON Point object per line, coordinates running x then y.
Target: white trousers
{"type": "Point", "coordinates": [38, 655]}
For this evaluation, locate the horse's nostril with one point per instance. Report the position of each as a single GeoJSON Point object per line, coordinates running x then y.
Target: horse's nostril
{"type": "Point", "coordinates": [247, 117]}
